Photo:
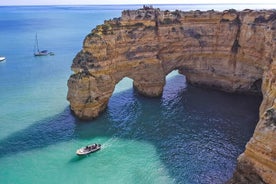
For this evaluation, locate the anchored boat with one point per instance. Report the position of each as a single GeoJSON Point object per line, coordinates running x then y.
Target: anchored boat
{"type": "Point", "coordinates": [88, 149]}
{"type": "Point", "coordinates": [37, 52]}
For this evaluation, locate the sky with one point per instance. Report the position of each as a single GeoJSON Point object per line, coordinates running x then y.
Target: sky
{"type": "Point", "coordinates": [98, 2]}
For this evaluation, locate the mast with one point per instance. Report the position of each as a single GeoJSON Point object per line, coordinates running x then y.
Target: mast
{"type": "Point", "coordinates": [36, 40]}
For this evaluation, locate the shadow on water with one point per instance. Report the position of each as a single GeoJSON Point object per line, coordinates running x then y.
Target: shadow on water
{"type": "Point", "coordinates": [193, 130]}
{"type": "Point", "coordinates": [77, 159]}
{"type": "Point", "coordinates": [41, 134]}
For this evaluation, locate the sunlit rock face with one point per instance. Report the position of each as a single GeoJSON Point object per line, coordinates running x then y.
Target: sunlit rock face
{"type": "Point", "coordinates": [230, 51]}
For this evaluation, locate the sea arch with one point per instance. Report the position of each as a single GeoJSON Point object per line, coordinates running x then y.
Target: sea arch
{"type": "Point", "coordinates": [90, 90]}
{"type": "Point", "coordinates": [231, 51]}
{"type": "Point", "coordinates": [89, 93]}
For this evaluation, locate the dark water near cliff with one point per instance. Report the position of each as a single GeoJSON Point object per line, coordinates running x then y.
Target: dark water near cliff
{"type": "Point", "coordinates": [189, 135]}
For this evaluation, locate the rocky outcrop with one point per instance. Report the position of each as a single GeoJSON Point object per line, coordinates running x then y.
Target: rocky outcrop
{"type": "Point", "coordinates": [229, 50]}
{"type": "Point", "coordinates": [258, 163]}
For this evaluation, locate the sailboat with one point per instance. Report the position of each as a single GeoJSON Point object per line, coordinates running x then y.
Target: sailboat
{"type": "Point", "coordinates": [37, 52]}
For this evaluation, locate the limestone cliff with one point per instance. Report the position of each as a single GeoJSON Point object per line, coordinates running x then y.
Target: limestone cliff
{"type": "Point", "coordinates": [258, 163]}
{"type": "Point", "coordinates": [229, 50]}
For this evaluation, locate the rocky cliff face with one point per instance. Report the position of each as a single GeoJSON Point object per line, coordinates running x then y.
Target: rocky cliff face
{"type": "Point", "coordinates": [258, 163]}
{"type": "Point", "coordinates": [231, 51]}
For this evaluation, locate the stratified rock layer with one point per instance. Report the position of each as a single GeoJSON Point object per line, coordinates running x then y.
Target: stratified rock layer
{"type": "Point", "coordinates": [258, 163]}
{"type": "Point", "coordinates": [231, 51]}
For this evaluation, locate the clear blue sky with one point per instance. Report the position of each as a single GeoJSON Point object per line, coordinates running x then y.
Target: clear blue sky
{"type": "Point", "coordinates": [78, 2]}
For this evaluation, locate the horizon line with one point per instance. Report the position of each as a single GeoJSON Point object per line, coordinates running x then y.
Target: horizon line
{"type": "Point", "coordinates": [138, 4]}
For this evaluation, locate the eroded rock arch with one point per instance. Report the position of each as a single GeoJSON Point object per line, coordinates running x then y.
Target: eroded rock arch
{"type": "Point", "coordinates": [231, 51]}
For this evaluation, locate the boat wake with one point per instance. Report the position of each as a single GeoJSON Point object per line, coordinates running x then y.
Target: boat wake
{"type": "Point", "coordinates": [109, 142]}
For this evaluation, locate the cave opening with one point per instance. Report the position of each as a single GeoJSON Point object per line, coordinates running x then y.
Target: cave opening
{"type": "Point", "coordinates": [176, 81]}
{"type": "Point", "coordinates": [125, 83]}
{"type": "Point", "coordinates": [256, 87]}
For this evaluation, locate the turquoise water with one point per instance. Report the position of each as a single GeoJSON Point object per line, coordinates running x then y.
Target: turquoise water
{"type": "Point", "coordinates": [189, 135]}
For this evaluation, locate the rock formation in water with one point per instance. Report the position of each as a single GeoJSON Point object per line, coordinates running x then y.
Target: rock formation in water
{"type": "Point", "coordinates": [258, 163]}
{"type": "Point", "coordinates": [231, 51]}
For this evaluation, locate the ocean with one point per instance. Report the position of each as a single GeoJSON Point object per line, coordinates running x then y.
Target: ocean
{"type": "Point", "coordinates": [189, 135]}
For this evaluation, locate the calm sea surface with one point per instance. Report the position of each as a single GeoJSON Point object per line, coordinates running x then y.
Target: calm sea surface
{"type": "Point", "coordinates": [189, 135]}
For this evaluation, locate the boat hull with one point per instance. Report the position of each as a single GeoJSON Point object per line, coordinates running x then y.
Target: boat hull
{"type": "Point", "coordinates": [41, 53]}
{"type": "Point", "coordinates": [2, 59]}
{"type": "Point", "coordinates": [44, 53]}
{"type": "Point", "coordinates": [88, 149]}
